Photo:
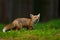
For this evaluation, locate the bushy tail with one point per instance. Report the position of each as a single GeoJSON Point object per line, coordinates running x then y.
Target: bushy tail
{"type": "Point", "coordinates": [7, 27]}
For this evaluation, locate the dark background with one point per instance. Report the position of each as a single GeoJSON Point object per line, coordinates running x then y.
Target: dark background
{"type": "Point", "coordinates": [12, 9]}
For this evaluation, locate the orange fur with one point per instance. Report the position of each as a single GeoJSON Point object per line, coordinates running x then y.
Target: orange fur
{"type": "Point", "coordinates": [22, 22]}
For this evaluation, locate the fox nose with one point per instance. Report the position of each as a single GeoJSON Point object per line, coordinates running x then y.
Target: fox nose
{"type": "Point", "coordinates": [36, 21]}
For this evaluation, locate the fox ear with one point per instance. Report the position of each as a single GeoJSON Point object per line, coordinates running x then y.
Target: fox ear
{"type": "Point", "coordinates": [31, 15]}
{"type": "Point", "coordinates": [38, 14]}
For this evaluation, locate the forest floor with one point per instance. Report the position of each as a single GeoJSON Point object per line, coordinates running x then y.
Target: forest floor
{"type": "Point", "coordinates": [42, 31]}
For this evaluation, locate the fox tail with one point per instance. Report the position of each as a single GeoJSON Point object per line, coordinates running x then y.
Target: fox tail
{"type": "Point", "coordinates": [7, 27]}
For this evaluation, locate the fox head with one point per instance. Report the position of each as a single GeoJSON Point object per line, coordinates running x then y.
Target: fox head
{"type": "Point", "coordinates": [35, 18]}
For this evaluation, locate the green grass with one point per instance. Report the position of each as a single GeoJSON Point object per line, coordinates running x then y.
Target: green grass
{"type": "Point", "coordinates": [42, 31]}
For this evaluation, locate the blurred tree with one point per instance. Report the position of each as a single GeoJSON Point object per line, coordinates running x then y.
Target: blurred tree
{"type": "Point", "coordinates": [3, 10]}
{"type": "Point", "coordinates": [47, 8]}
{"type": "Point", "coordinates": [12, 9]}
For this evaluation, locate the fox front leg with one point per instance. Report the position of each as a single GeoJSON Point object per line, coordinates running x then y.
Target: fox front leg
{"type": "Point", "coordinates": [30, 27]}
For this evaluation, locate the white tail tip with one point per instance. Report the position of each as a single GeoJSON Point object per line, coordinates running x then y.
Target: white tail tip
{"type": "Point", "coordinates": [4, 30]}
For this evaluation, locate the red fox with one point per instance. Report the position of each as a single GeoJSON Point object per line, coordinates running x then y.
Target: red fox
{"type": "Point", "coordinates": [23, 22]}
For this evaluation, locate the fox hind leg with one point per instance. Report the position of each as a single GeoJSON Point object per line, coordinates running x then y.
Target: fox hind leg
{"type": "Point", "coordinates": [18, 26]}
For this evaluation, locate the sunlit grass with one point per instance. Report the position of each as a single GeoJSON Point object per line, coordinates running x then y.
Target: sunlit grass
{"type": "Point", "coordinates": [42, 31]}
